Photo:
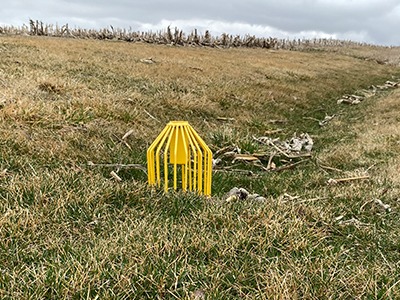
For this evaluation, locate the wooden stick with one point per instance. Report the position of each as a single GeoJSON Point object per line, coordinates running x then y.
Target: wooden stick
{"type": "Point", "coordinates": [268, 132]}
{"type": "Point", "coordinates": [312, 200]}
{"type": "Point", "coordinates": [126, 135]}
{"type": "Point", "coordinates": [115, 176]}
{"type": "Point", "coordinates": [285, 167]}
{"type": "Point", "coordinates": [270, 160]}
{"type": "Point", "coordinates": [225, 119]}
{"type": "Point", "coordinates": [196, 68]}
{"type": "Point", "coordinates": [225, 149]}
{"type": "Point", "coordinates": [119, 166]}
{"type": "Point", "coordinates": [123, 142]}
{"type": "Point", "coordinates": [227, 170]}
{"type": "Point", "coordinates": [244, 157]}
{"type": "Point", "coordinates": [151, 116]}
{"type": "Point", "coordinates": [329, 168]}
{"type": "Point", "coordinates": [310, 118]}
{"type": "Point", "coordinates": [289, 155]}
{"type": "Point", "coordinates": [338, 180]}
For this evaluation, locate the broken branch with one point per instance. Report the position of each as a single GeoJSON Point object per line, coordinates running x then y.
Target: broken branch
{"type": "Point", "coordinates": [329, 168]}
{"type": "Point", "coordinates": [338, 180]}
{"type": "Point", "coordinates": [119, 166]}
{"type": "Point", "coordinates": [151, 116]}
{"type": "Point", "coordinates": [285, 167]}
{"type": "Point", "coordinates": [115, 176]}
{"type": "Point", "coordinates": [225, 119]}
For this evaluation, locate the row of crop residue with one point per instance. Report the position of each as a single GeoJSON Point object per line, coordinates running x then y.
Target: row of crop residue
{"type": "Point", "coordinates": [173, 37]}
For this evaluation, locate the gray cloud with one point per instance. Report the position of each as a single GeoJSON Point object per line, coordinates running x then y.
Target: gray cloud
{"type": "Point", "coordinates": [373, 21]}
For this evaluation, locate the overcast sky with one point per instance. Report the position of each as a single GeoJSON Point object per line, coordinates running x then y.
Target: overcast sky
{"type": "Point", "coordinates": [371, 21]}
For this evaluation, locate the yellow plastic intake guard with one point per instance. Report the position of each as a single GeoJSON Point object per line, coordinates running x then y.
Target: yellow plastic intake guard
{"type": "Point", "coordinates": [179, 150]}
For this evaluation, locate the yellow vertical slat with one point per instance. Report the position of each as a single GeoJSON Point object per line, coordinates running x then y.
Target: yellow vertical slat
{"type": "Point", "coordinates": [187, 157]}
{"type": "Point", "coordinates": [163, 138]}
{"type": "Point", "coordinates": [199, 176]}
{"type": "Point", "coordinates": [192, 178]}
{"type": "Point", "coordinates": [150, 156]}
{"type": "Point", "coordinates": [166, 159]}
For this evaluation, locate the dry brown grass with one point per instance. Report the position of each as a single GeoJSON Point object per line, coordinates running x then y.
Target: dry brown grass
{"type": "Point", "coordinates": [376, 144]}
{"type": "Point", "coordinates": [184, 82]}
{"type": "Point", "coordinates": [69, 230]}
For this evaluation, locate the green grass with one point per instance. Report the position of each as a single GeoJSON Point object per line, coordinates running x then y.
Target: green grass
{"type": "Point", "coordinates": [70, 231]}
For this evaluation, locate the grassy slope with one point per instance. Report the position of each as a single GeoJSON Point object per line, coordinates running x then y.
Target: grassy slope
{"type": "Point", "coordinates": [70, 231]}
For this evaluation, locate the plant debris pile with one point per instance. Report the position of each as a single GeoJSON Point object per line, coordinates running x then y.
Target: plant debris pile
{"type": "Point", "coordinates": [361, 95]}
{"type": "Point", "coordinates": [273, 154]}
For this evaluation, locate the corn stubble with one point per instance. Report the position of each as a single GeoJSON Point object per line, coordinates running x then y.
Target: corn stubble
{"type": "Point", "coordinates": [69, 229]}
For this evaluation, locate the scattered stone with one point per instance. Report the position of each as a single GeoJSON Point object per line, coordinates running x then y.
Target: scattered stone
{"type": "Point", "coordinates": [243, 194]}
{"type": "Point", "coordinates": [231, 198]}
{"type": "Point", "coordinates": [232, 195]}
{"type": "Point", "coordinates": [236, 194]}
{"type": "Point", "coordinates": [199, 295]}
{"type": "Point", "coordinates": [256, 197]}
{"type": "Point", "coordinates": [260, 199]}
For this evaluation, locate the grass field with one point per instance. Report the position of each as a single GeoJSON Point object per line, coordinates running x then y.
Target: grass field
{"type": "Point", "coordinates": [69, 230]}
